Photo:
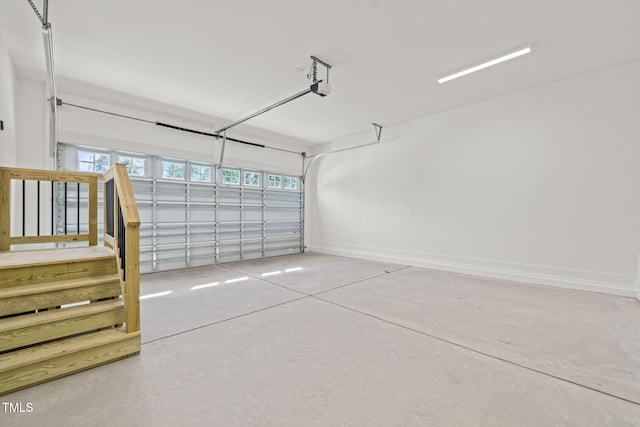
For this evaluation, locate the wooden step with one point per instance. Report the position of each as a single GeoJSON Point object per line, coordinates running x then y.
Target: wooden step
{"type": "Point", "coordinates": [20, 299]}
{"type": "Point", "coordinates": [28, 329]}
{"type": "Point", "coordinates": [29, 267]}
{"type": "Point", "coordinates": [23, 368]}
{"type": "Point", "coordinates": [52, 256]}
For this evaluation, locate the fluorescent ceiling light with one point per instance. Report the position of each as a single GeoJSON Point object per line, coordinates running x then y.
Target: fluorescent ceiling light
{"type": "Point", "coordinates": [484, 65]}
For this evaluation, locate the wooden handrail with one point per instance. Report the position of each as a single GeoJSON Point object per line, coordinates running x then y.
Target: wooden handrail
{"type": "Point", "coordinates": [127, 199]}
{"type": "Point", "coordinates": [122, 233]}
{"type": "Point", "coordinates": [7, 174]}
{"type": "Point", "coordinates": [49, 175]}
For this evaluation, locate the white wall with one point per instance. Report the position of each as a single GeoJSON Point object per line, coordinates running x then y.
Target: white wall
{"type": "Point", "coordinates": [541, 186]}
{"type": "Point", "coordinates": [7, 108]}
{"type": "Point", "coordinates": [30, 152]}
{"type": "Point", "coordinates": [32, 149]}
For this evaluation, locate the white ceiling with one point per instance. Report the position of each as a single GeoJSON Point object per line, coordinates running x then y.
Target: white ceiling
{"type": "Point", "coordinates": [230, 58]}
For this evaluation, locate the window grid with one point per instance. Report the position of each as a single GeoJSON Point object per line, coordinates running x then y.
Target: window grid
{"type": "Point", "coordinates": [173, 170]}
{"type": "Point", "coordinates": [136, 166]}
{"type": "Point", "coordinates": [275, 181]}
{"type": "Point", "coordinates": [88, 160]}
{"type": "Point", "coordinates": [200, 173]}
{"type": "Point", "coordinates": [290, 183]}
{"type": "Point", "coordinates": [93, 161]}
{"type": "Point", "coordinates": [251, 179]}
{"type": "Point", "coordinates": [231, 176]}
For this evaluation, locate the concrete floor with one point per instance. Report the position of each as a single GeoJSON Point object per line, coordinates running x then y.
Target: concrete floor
{"type": "Point", "coordinates": [344, 342]}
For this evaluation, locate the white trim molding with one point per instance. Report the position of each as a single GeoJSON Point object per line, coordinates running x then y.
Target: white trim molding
{"type": "Point", "coordinates": [607, 283]}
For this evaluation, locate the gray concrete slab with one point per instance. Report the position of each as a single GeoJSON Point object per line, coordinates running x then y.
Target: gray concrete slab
{"type": "Point", "coordinates": [589, 338]}
{"type": "Point", "coordinates": [309, 362]}
{"type": "Point", "coordinates": [201, 296]}
{"type": "Point", "coordinates": [312, 272]}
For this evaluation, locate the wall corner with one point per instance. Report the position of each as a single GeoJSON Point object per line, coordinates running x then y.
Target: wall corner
{"type": "Point", "coordinates": [638, 279]}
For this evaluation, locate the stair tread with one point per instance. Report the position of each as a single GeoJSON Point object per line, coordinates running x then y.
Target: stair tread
{"type": "Point", "coordinates": [15, 259]}
{"type": "Point", "coordinates": [31, 355]}
{"type": "Point", "coordinates": [37, 288]}
{"type": "Point", "coordinates": [30, 320]}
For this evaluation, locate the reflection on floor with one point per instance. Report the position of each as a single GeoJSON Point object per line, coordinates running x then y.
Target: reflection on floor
{"type": "Point", "coordinates": [313, 339]}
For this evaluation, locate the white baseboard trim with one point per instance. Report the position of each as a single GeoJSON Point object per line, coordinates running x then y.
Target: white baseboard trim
{"type": "Point", "coordinates": [606, 283]}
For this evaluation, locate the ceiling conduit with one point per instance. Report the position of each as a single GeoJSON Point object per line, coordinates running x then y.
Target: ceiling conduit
{"type": "Point", "coordinates": [47, 36]}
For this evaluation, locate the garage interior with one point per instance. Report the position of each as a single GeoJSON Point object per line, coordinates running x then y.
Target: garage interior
{"type": "Point", "coordinates": [374, 213]}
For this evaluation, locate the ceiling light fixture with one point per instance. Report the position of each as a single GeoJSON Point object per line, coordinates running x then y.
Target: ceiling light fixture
{"type": "Point", "coordinates": [498, 60]}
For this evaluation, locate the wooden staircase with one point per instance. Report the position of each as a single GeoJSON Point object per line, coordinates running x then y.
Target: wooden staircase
{"type": "Point", "coordinates": [66, 310]}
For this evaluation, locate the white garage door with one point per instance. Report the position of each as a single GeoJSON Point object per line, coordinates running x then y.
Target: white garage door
{"type": "Point", "coordinates": [195, 213]}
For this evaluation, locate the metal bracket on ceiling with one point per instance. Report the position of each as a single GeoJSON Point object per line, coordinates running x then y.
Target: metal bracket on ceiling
{"type": "Point", "coordinates": [313, 73]}
{"type": "Point", "coordinates": [378, 129]}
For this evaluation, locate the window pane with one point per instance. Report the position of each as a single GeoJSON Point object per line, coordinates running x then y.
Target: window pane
{"type": "Point", "coordinates": [167, 170]}
{"type": "Point", "coordinates": [85, 156]}
{"type": "Point", "coordinates": [135, 165]}
{"type": "Point", "coordinates": [290, 183]}
{"type": "Point", "coordinates": [138, 167]}
{"type": "Point", "coordinates": [252, 179]}
{"type": "Point", "coordinates": [231, 176]}
{"type": "Point", "coordinates": [179, 170]}
{"type": "Point", "coordinates": [173, 170]}
{"type": "Point", "coordinates": [90, 161]}
{"type": "Point", "coordinates": [102, 162]}
{"type": "Point", "coordinates": [200, 173]}
{"type": "Point", "coordinates": [85, 167]}
{"type": "Point", "coordinates": [275, 181]}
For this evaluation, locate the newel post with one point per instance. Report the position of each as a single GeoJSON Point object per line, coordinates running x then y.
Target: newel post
{"type": "Point", "coordinates": [5, 210]}
{"type": "Point", "coordinates": [133, 278]}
